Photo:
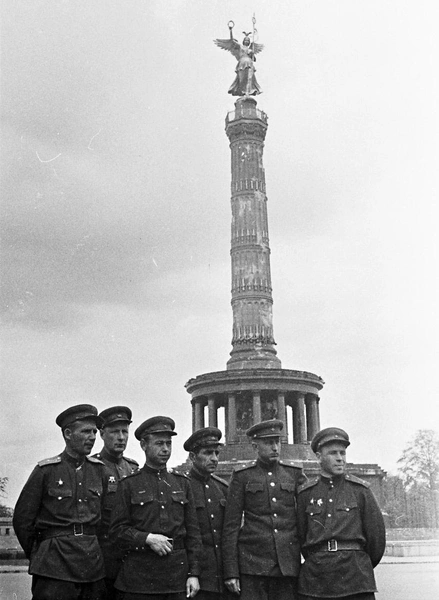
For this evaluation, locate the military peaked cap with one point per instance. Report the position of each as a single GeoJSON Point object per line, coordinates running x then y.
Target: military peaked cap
{"type": "Point", "coordinates": [115, 413]}
{"type": "Point", "coordinates": [155, 425]}
{"type": "Point", "coordinates": [207, 437]}
{"type": "Point", "coordinates": [265, 429]}
{"type": "Point", "coordinates": [78, 413]}
{"type": "Point", "coordinates": [330, 434]}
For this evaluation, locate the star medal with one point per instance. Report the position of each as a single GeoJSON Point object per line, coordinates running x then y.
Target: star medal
{"type": "Point", "coordinates": [60, 482]}
{"type": "Point", "coordinates": [319, 502]}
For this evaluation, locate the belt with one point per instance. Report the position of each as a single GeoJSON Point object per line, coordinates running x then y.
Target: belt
{"type": "Point", "coordinates": [77, 529]}
{"type": "Point", "coordinates": [334, 546]}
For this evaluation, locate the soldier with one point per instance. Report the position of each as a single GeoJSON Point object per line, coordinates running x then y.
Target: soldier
{"type": "Point", "coordinates": [154, 520]}
{"type": "Point", "coordinates": [341, 527]}
{"type": "Point", "coordinates": [58, 511]}
{"type": "Point", "coordinates": [114, 433]}
{"type": "Point", "coordinates": [261, 552]}
{"type": "Point", "coordinates": [210, 494]}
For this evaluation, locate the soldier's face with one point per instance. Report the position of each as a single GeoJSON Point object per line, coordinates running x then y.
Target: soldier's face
{"type": "Point", "coordinates": [80, 437]}
{"type": "Point", "coordinates": [115, 437]}
{"type": "Point", "coordinates": [268, 449]}
{"type": "Point", "coordinates": [157, 448]}
{"type": "Point", "coordinates": [205, 460]}
{"type": "Point", "coordinates": [332, 458]}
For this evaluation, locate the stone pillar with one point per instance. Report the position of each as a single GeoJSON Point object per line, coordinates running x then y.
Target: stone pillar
{"type": "Point", "coordinates": [199, 413]}
{"type": "Point", "coordinates": [299, 423]}
{"type": "Point", "coordinates": [213, 421]}
{"type": "Point", "coordinates": [256, 407]}
{"type": "Point", "coordinates": [231, 417]}
{"type": "Point", "coordinates": [312, 419]}
{"type": "Point", "coordinates": [282, 414]}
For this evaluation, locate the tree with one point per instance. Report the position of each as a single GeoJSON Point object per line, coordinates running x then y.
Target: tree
{"type": "Point", "coordinates": [419, 463]}
{"type": "Point", "coordinates": [5, 511]}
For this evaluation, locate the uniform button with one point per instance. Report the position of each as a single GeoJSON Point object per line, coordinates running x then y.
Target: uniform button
{"type": "Point", "coordinates": [79, 499]}
{"type": "Point", "coordinates": [207, 486]}
{"type": "Point", "coordinates": [141, 504]}
{"type": "Point", "coordinates": [80, 483]}
{"type": "Point", "coordinates": [274, 499]}
{"type": "Point", "coordinates": [216, 545]}
{"type": "Point", "coordinates": [270, 473]}
{"type": "Point", "coordinates": [272, 484]}
{"type": "Point", "coordinates": [214, 531]}
{"type": "Point", "coordinates": [209, 500]}
{"type": "Point", "coordinates": [213, 516]}
{"type": "Point", "coordinates": [347, 510]}
{"type": "Point", "coordinates": [275, 531]}
{"type": "Point", "coordinates": [330, 499]}
{"type": "Point", "coordinates": [329, 515]}
{"type": "Point", "coordinates": [59, 498]}
{"type": "Point", "coordinates": [163, 506]}
{"type": "Point", "coordinates": [275, 515]}
{"type": "Point", "coordinates": [330, 481]}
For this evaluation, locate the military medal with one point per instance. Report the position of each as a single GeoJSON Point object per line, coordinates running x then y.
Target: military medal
{"type": "Point", "coordinates": [112, 479]}
{"type": "Point", "coordinates": [60, 482]}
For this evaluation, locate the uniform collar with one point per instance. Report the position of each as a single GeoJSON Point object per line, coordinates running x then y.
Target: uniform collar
{"type": "Point", "coordinates": [195, 473]}
{"type": "Point", "coordinates": [337, 479]}
{"type": "Point", "coordinates": [149, 469]}
{"type": "Point", "coordinates": [271, 466]}
{"type": "Point", "coordinates": [110, 457]}
{"type": "Point", "coordinates": [75, 462]}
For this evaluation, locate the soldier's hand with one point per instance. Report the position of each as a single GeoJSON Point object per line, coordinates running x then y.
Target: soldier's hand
{"type": "Point", "coordinates": [161, 544]}
{"type": "Point", "coordinates": [192, 586]}
{"type": "Point", "coordinates": [233, 585]}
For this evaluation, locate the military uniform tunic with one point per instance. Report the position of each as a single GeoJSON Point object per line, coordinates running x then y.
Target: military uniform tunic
{"type": "Point", "coordinates": [260, 530]}
{"type": "Point", "coordinates": [56, 517]}
{"type": "Point", "coordinates": [210, 494]}
{"type": "Point", "coordinates": [161, 502]}
{"type": "Point", "coordinates": [344, 509]}
{"type": "Point", "coordinates": [116, 469]}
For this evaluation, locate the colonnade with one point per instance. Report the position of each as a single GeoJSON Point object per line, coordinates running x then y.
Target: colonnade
{"type": "Point", "coordinates": [241, 413]}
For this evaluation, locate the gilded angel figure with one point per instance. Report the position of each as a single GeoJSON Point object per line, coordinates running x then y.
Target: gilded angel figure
{"type": "Point", "coordinates": [245, 83]}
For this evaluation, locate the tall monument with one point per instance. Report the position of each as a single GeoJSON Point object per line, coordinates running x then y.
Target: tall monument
{"type": "Point", "coordinates": [254, 385]}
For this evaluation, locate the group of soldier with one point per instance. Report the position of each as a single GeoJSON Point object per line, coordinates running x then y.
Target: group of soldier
{"type": "Point", "coordinates": [99, 527]}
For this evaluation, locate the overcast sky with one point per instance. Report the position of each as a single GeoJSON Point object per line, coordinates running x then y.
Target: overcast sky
{"type": "Point", "coordinates": [116, 210]}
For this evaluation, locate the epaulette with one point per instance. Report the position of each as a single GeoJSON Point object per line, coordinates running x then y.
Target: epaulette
{"type": "Point", "coordinates": [223, 481]}
{"type": "Point", "coordinates": [355, 479]}
{"type": "Point", "coordinates": [93, 459]}
{"type": "Point", "coordinates": [133, 474]}
{"type": "Point", "coordinates": [131, 460]}
{"type": "Point", "coordinates": [296, 464]}
{"type": "Point", "coordinates": [50, 461]}
{"type": "Point", "coordinates": [308, 484]}
{"type": "Point", "coordinates": [243, 467]}
{"type": "Point", "coordinates": [174, 472]}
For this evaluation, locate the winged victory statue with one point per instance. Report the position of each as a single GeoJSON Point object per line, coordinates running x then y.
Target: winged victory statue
{"type": "Point", "coordinates": [245, 83]}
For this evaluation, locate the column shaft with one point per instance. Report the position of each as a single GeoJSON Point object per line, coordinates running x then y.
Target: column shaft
{"type": "Point", "coordinates": [231, 417]}
{"type": "Point", "coordinates": [199, 413]}
{"type": "Point", "coordinates": [299, 419]}
{"type": "Point", "coordinates": [256, 407]}
{"type": "Point", "coordinates": [213, 420]}
{"type": "Point", "coordinates": [281, 413]}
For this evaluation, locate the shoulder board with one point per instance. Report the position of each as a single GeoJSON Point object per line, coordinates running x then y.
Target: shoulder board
{"type": "Point", "coordinates": [180, 473]}
{"type": "Point", "coordinates": [50, 461]}
{"type": "Point", "coordinates": [131, 460]}
{"type": "Point", "coordinates": [95, 460]}
{"type": "Point", "coordinates": [223, 481]}
{"type": "Point", "coordinates": [244, 467]}
{"type": "Point", "coordinates": [308, 484]}
{"type": "Point", "coordinates": [133, 474]}
{"type": "Point", "coordinates": [296, 464]}
{"type": "Point", "coordinates": [354, 479]}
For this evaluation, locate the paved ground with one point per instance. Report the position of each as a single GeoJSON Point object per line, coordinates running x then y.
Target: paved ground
{"type": "Point", "coordinates": [402, 579]}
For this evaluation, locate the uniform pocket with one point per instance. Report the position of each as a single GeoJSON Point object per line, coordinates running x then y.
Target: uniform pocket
{"type": "Point", "coordinates": [60, 493]}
